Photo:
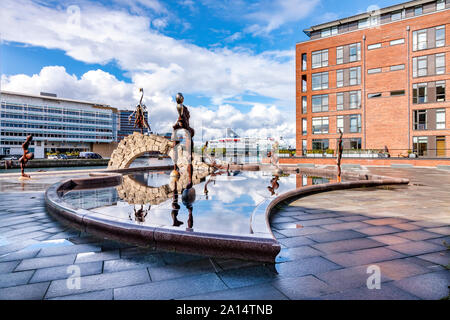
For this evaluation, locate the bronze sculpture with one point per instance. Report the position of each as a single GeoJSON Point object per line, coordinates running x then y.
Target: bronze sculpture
{"type": "Point", "coordinates": [339, 156]}
{"type": "Point", "coordinates": [139, 113]}
{"type": "Point", "coordinates": [27, 156]}
{"type": "Point", "coordinates": [183, 123]}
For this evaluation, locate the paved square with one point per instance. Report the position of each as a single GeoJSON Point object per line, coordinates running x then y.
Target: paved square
{"type": "Point", "coordinates": [401, 230]}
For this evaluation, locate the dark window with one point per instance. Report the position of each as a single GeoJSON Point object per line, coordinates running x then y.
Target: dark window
{"type": "Point", "coordinates": [374, 95]}
{"type": "Point", "coordinates": [398, 93]}
{"type": "Point", "coordinates": [420, 120]}
{"type": "Point", "coordinates": [320, 144]}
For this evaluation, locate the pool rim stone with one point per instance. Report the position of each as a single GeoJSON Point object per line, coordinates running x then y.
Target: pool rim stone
{"type": "Point", "coordinates": [262, 249]}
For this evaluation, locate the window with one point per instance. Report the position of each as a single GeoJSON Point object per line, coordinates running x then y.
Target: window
{"type": "Point", "coordinates": [372, 71]}
{"type": "Point", "coordinates": [304, 105]}
{"type": "Point", "coordinates": [397, 67]}
{"type": "Point", "coordinates": [340, 101]}
{"type": "Point", "coordinates": [421, 146]}
{"type": "Point", "coordinates": [355, 123]}
{"type": "Point", "coordinates": [420, 66]}
{"type": "Point", "coordinates": [440, 63]}
{"type": "Point", "coordinates": [420, 120]}
{"type": "Point", "coordinates": [340, 123]}
{"type": "Point", "coordinates": [374, 46]}
{"type": "Point", "coordinates": [420, 40]}
{"type": "Point", "coordinates": [355, 52]}
{"type": "Point", "coordinates": [397, 93]}
{"type": "Point", "coordinates": [304, 84]}
{"type": "Point", "coordinates": [374, 95]}
{"type": "Point", "coordinates": [340, 55]}
{"type": "Point", "coordinates": [320, 125]}
{"type": "Point", "coordinates": [418, 10]}
{"type": "Point", "coordinates": [374, 21]}
{"type": "Point", "coordinates": [355, 99]}
{"type": "Point", "coordinates": [326, 32]}
{"type": "Point", "coordinates": [320, 59]}
{"type": "Point", "coordinates": [440, 119]}
{"type": "Point", "coordinates": [334, 31]}
{"type": "Point", "coordinates": [304, 127]}
{"type": "Point", "coordinates": [304, 62]}
{"type": "Point", "coordinates": [355, 76]}
{"type": "Point", "coordinates": [440, 4]}
{"type": "Point", "coordinates": [320, 103]}
{"type": "Point", "coordinates": [440, 91]}
{"type": "Point", "coordinates": [396, 42]}
{"type": "Point", "coordinates": [340, 78]}
{"type": "Point", "coordinates": [396, 16]}
{"type": "Point", "coordinates": [304, 147]}
{"type": "Point", "coordinates": [440, 36]}
{"type": "Point", "coordinates": [320, 144]}
{"type": "Point", "coordinates": [420, 93]}
{"type": "Point", "coordinates": [363, 23]}
{"type": "Point", "coordinates": [320, 81]}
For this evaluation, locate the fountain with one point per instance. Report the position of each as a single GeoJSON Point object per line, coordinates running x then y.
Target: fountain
{"type": "Point", "coordinates": [141, 206]}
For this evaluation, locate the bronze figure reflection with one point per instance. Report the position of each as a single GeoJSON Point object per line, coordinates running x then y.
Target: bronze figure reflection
{"type": "Point", "coordinates": [212, 179]}
{"type": "Point", "coordinates": [27, 156]}
{"type": "Point", "coordinates": [175, 208]}
{"type": "Point", "coordinates": [140, 214]}
{"type": "Point", "coordinates": [139, 114]}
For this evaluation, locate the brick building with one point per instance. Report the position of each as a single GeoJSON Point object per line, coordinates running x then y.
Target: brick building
{"type": "Point", "coordinates": [382, 77]}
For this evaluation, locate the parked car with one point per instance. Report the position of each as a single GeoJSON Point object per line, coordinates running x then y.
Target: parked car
{"type": "Point", "coordinates": [12, 157]}
{"type": "Point", "coordinates": [62, 156]}
{"type": "Point", "coordinates": [53, 157]}
{"type": "Point", "coordinates": [90, 155]}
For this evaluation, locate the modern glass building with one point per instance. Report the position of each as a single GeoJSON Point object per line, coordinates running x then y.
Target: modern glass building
{"type": "Point", "coordinates": [57, 125]}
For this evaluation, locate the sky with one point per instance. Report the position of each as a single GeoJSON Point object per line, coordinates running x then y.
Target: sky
{"type": "Point", "coordinates": [233, 60]}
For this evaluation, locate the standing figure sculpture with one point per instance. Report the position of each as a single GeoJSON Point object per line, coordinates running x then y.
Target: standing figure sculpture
{"type": "Point", "coordinates": [183, 123]}
{"type": "Point", "coordinates": [140, 121]}
{"type": "Point", "coordinates": [339, 156]}
{"type": "Point", "coordinates": [27, 156]}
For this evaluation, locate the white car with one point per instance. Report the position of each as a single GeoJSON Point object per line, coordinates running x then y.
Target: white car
{"type": "Point", "coordinates": [53, 157]}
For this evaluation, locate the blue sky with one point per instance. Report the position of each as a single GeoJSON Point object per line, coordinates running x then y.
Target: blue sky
{"type": "Point", "coordinates": [233, 59]}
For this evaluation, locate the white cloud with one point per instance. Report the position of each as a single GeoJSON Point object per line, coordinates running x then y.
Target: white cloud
{"type": "Point", "coordinates": [158, 63]}
{"type": "Point", "coordinates": [102, 87]}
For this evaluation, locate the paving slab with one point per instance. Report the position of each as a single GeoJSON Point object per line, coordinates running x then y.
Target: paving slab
{"type": "Point", "coordinates": [387, 292]}
{"type": "Point", "coordinates": [171, 289]}
{"type": "Point", "coordinates": [418, 235]}
{"type": "Point", "coordinates": [415, 248]}
{"type": "Point", "coordinates": [401, 268]}
{"type": "Point", "coordinates": [348, 278]}
{"type": "Point", "coordinates": [94, 295]}
{"type": "Point", "coordinates": [57, 251]}
{"type": "Point", "coordinates": [430, 286]}
{"type": "Point", "coordinates": [347, 245]}
{"type": "Point", "coordinates": [307, 266]}
{"type": "Point", "coordinates": [295, 242]}
{"type": "Point", "coordinates": [292, 254]}
{"type": "Point", "coordinates": [244, 277]}
{"type": "Point", "coordinates": [64, 272]}
{"type": "Point", "coordinates": [331, 236]}
{"type": "Point", "coordinates": [301, 231]}
{"type": "Point", "coordinates": [7, 267]}
{"type": "Point", "coordinates": [45, 262]}
{"type": "Point", "coordinates": [442, 258]}
{"type": "Point", "coordinates": [253, 293]}
{"type": "Point", "coordinates": [15, 278]}
{"type": "Point", "coordinates": [26, 292]}
{"type": "Point", "coordinates": [59, 288]}
{"type": "Point", "coordinates": [307, 287]}
{"type": "Point", "coordinates": [362, 257]}
{"type": "Point", "coordinates": [97, 256]}
{"type": "Point", "coordinates": [173, 271]}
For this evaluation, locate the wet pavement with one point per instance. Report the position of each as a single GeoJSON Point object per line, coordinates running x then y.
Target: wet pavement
{"type": "Point", "coordinates": [329, 241]}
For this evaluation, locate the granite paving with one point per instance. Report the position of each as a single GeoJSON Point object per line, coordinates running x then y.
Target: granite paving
{"type": "Point", "coordinates": [331, 244]}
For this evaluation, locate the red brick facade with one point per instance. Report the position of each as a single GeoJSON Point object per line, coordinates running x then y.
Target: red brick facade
{"type": "Point", "coordinates": [387, 120]}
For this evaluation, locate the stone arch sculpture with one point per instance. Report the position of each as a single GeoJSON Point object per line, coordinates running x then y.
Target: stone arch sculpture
{"type": "Point", "coordinates": [135, 192]}
{"type": "Point", "coordinates": [137, 144]}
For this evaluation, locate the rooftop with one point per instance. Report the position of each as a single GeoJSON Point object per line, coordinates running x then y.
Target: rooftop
{"type": "Point", "coordinates": [335, 23]}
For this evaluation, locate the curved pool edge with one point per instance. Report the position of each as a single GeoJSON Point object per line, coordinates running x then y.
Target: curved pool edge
{"type": "Point", "coordinates": [215, 245]}
{"type": "Point", "coordinates": [365, 181]}
{"type": "Point", "coordinates": [261, 249]}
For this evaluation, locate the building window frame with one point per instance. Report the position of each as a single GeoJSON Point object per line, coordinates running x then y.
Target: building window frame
{"type": "Point", "coordinates": [440, 119]}
{"type": "Point", "coordinates": [319, 59]}
{"type": "Point", "coordinates": [322, 106]}
{"type": "Point", "coordinates": [324, 81]}
{"type": "Point", "coordinates": [320, 125]}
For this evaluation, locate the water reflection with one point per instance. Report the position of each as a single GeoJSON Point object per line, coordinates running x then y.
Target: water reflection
{"type": "Point", "coordinates": [222, 202]}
